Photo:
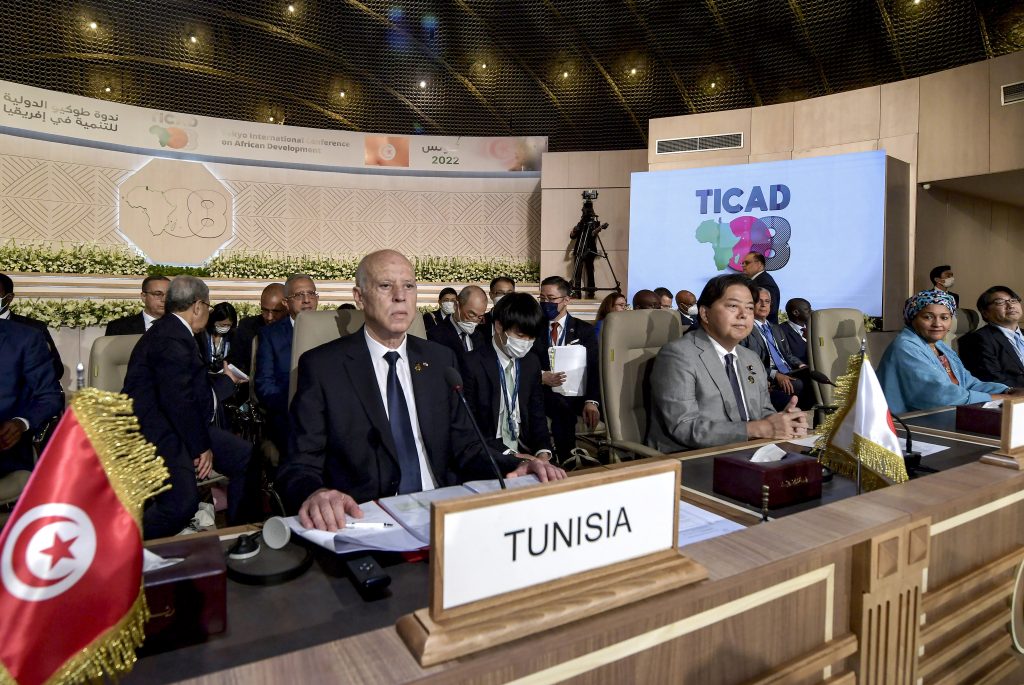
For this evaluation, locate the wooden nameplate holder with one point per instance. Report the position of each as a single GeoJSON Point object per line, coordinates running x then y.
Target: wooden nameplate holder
{"type": "Point", "coordinates": [1011, 452]}
{"type": "Point", "coordinates": [510, 604]}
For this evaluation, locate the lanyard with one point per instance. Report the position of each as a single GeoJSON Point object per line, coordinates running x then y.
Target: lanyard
{"type": "Point", "coordinates": [561, 334]}
{"type": "Point", "coordinates": [510, 404]}
{"type": "Point", "coordinates": [225, 346]}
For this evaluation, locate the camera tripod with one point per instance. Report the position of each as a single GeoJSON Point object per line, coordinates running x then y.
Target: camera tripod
{"type": "Point", "coordinates": [590, 247]}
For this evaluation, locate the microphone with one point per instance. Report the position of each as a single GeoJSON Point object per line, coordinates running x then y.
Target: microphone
{"type": "Point", "coordinates": [819, 377]}
{"type": "Point", "coordinates": [454, 380]}
{"type": "Point", "coordinates": [911, 459]}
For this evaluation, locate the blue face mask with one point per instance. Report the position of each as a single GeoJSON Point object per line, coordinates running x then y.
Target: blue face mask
{"type": "Point", "coordinates": [550, 310]}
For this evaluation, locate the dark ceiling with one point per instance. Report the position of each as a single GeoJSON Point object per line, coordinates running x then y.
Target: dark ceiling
{"type": "Point", "coordinates": [587, 73]}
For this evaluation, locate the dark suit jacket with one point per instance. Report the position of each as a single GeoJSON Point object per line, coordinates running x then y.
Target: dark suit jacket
{"type": "Point", "coordinates": [433, 319]}
{"type": "Point", "coordinates": [990, 356]}
{"type": "Point", "coordinates": [58, 365]}
{"type": "Point", "coordinates": [28, 387]}
{"type": "Point", "coordinates": [575, 329]}
{"type": "Point", "coordinates": [756, 344]}
{"type": "Point", "coordinates": [687, 320]}
{"type": "Point", "coordinates": [483, 392]}
{"type": "Point", "coordinates": [273, 367]}
{"type": "Point", "coordinates": [765, 280]}
{"type": "Point", "coordinates": [170, 389]}
{"type": "Point", "coordinates": [797, 344]}
{"type": "Point", "coordinates": [340, 436]}
{"type": "Point", "coordinates": [447, 335]}
{"type": "Point", "coordinates": [241, 349]}
{"type": "Point", "coordinates": [127, 325]}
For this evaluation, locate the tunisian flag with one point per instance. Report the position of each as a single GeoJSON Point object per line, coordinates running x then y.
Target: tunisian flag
{"type": "Point", "coordinates": [861, 430]}
{"type": "Point", "coordinates": [71, 601]}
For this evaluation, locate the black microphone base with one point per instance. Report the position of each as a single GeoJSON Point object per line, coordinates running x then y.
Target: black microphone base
{"type": "Point", "coordinates": [912, 460]}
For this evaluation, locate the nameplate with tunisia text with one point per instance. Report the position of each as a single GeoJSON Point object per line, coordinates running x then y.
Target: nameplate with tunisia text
{"type": "Point", "coordinates": [493, 548]}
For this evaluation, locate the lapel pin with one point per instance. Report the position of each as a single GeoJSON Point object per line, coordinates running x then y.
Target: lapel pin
{"type": "Point", "coordinates": [750, 368]}
{"type": "Point", "coordinates": [750, 379]}
{"type": "Point", "coordinates": [418, 367]}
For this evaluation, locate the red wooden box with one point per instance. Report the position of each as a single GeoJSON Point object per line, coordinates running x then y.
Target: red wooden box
{"type": "Point", "coordinates": [792, 480]}
{"type": "Point", "coordinates": [975, 418]}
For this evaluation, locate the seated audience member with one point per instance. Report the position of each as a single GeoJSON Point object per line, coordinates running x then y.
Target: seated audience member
{"type": "Point", "coordinates": [996, 352]}
{"type": "Point", "coordinates": [919, 371]}
{"type": "Point", "coordinates": [707, 389]}
{"type": "Point", "coordinates": [154, 288]}
{"type": "Point", "coordinates": [942, 279]}
{"type": "Point", "coordinates": [613, 302]}
{"type": "Point", "coordinates": [272, 308]}
{"type": "Point", "coordinates": [445, 306]}
{"type": "Point", "coordinates": [502, 380]}
{"type": "Point", "coordinates": [373, 415]}
{"type": "Point", "coordinates": [768, 342]}
{"type": "Point", "coordinates": [798, 311]}
{"type": "Point", "coordinates": [646, 299]}
{"type": "Point", "coordinates": [461, 332]}
{"type": "Point", "coordinates": [175, 403]}
{"type": "Point", "coordinates": [665, 297]}
{"type": "Point", "coordinates": [274, 357]}
{"type": "Point", "coordinates": [29, 393]}
{"type": "Point", "coordinates": [686, 303]}
{"type": "Point", "coordinates": [6, 297]}
{"type": "Point", "coordinates": [565, 329]}
{"type": "Point", "coordinates": [755, 268]}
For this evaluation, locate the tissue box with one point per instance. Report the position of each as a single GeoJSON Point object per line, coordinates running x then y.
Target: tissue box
{"type": "Point", "coordinates": [792, 480]}
{"type": "Point", "coordinates": [975, 418]}
{"type": "Point", "coordinates": [187, 601]}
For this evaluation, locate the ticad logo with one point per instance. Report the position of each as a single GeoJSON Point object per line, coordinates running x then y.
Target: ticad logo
{"type": "Point", "coordinates": [730, 242]}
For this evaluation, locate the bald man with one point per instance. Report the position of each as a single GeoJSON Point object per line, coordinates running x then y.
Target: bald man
{"type": "Point", "coordinates": [686, 303]}
{"type": "Point", "coordinates": [463, 331]}
{"type": "Point", "coordinates": [646, 299]}
{"type": "Point", "coordinates": [373, 415]}
{"type": "Point", "coordinates": [272, 309]}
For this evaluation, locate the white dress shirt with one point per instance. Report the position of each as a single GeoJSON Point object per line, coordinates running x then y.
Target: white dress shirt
{"type": "Point", "coordinates": [797, 327]}
{"type": "Point", "coordinates": [148, 320]}
{"type": "Point", "coordinates": [380, 370]}
{"type": "Point", "coordinates": [212, 391]}
{"type": "Point", "coordinates": [721, 352]}
{"type": "Point", "coordinates": [467, 344]}
{"type": "Point", "coordinates": [1011, 335]}
{"type": "Point", "coordinates": [504, 360]}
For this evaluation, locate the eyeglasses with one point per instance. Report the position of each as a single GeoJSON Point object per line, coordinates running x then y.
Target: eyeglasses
{"type": "Point", "coordinates": [1004, 301]}
{"type": "Point", "coordinates": [155, 293]}
{"type": "Point", "coordinates": [205, 302]}
{"type": "Point", "coordinates": [305, 295]}
{"type": "Point", "coordinates": [542, 298]}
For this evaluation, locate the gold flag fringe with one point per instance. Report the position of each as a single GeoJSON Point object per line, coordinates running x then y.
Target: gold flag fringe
{"type": "Point", "coordinates": [879, 466]}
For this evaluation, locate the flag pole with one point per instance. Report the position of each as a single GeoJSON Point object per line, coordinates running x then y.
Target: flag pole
{"type": "Point", "coordinates": [863, 349]}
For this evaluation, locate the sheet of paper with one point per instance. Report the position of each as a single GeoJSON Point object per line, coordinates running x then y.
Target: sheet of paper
{"type": "Point", "coordinates": [238, 372]}
{"type": "Point", "coordinates": [572, 361]}
{"type": "Point", "coordinates": [393, 539]}
{"type": "Point", "coordinates": [413, 511]}
{"type": "Point", "coordinates": [925, 448]}
{"type": "Point", "coordinates": [696, 524]}
{"type": "Point", "coordinates": [510, 483]}
{"type": "Point", "coordinates": [806, 442]}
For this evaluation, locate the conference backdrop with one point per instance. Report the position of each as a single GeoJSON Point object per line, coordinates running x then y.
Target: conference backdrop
{"type": "Point", "coordinates": [820, 223]}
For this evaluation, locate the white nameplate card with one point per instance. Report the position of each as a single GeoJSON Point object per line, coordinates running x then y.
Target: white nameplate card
{"type": "Point", "coordinates": [1013, 427]}
{"type": "Point", "coordinates": [501, 543]}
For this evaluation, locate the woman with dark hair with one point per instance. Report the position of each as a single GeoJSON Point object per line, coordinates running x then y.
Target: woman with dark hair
{"type": "Point", "coordinates": [215, 341]}
{"type": "Point", "coordinates": [445, 307]}
{"type": "Point", "coordinates": [613, 302]}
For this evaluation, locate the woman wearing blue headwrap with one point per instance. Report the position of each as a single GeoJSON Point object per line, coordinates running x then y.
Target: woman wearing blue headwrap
{"type": "Point", "coordinates": [919, 371]}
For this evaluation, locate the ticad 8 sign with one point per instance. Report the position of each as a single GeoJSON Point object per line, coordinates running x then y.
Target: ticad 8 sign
{"type": "Point", "coordinates": [818, 222]}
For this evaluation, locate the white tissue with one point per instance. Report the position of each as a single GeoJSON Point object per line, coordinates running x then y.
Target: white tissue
{"type": "Point", "coordinates": [154, 562]}
{"type": "Point", "coordinates": [768, 453]}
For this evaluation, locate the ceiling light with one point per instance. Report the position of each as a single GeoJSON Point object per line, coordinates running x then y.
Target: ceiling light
{"type": "Point", "coordinates": [484, 65]}
{"type": "Point", "coordinates": [106, 89]}
{"type": "Point", "coordinates": [423, 84]}
{"type": "Point", "coordinates": [341, 94]}
{"type": "Point", "coordinates": [565, 74]}
{"type": "Point", "coordinates": [291, 9]}
{"type": "Point", "coordinates": [632, 72]}
{"type": "Point", "coordinates": [93, 25]}
{"type": "Point", "coordinates": [193, 39]}
{"type": "Point", "coordinates": [917, 2]}
{"type": "Point", "coordinates": [271, 119]}
{"type": "Point", "coordinates": [712, 84]}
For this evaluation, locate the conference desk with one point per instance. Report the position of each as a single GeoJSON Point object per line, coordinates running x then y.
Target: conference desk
{"type": "Point", "coordinates": [906, 583]}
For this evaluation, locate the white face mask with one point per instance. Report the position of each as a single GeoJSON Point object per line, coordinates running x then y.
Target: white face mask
{"type": "Point", "coordinates": [517, 348]}
{"type": "Point", "coordinates": [692, 310]}
{"type": "Point", "coordinates": [448, 308]}
{"type": "Point", "coordinates": [948, 283]}
{"type": "Point", "coordinates": [221, 330]}
{"type": "Point", "coordinates": [467, 326]}
{"type": "Point", "coordinates": [498, 298]}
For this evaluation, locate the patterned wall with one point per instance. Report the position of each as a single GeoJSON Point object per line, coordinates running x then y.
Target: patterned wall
{"type": "Point", "coordinates": [57, 193]}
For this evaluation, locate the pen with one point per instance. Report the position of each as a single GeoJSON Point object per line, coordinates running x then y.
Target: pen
{"type": "Point", "coordinates": [369, 525]}
{"type": "Point", "coordinates": [573, 342]}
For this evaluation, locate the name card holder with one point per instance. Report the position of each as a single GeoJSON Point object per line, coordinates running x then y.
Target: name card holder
{"type": "Point", "coordinates": [1011, 452]}
{"type": "Point", "coordinates": [512, 563]}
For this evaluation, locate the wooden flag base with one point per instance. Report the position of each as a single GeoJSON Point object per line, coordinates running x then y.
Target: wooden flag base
{"type": "Point", "coordinates": [433, 642]}
{"type": "Point", "coordinates": [1015, 462]}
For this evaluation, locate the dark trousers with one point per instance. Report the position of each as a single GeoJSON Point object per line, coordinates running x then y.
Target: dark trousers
{"type": "Point", "coordinates": [19, 457]}
{"type": "Point", "coordinates": [562, 413]}
{"type": "Point", "coordinates": [172, 510]}
{"type": "Point", "coordinates": [804, 392]}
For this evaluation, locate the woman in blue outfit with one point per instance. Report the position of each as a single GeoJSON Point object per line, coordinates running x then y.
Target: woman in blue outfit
{"type": "Point", "coordinates": [919, 371]}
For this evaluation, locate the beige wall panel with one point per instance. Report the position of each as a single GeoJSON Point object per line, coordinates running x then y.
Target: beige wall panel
{"type": "Point", "coordinates": [836, 119]}
{"type": "Point", "coordinates": [930, 244]}
{"type": "Point", "coordinates": [709, 123]}
{"type": "Point", "coordinates": [557, 207]}
{"type": "Point", "coordinates": [899, 108]}
{"type": "Point", "coordinates": [863, 146]}
{"type": "Point", "coordinates": [969, 243]}
{"type": "Point", "coordinates": [954, 123]}
{"type": "Point", "coordinates": [697, 160]}
{"type": "Point", "coordinates": [771, 129]}
{"type": "Point", "coordinates": [554, 170]}
{"type": "Point", "coordinates": [771, 157]}
{"type": "Point", "coordinates": [615, 167]}
{"type": "Point", "coordinates": [905, 148]}
{"type": "Point", "coordinates": [1007, 131]}
{"type": "Point", "coordinates": [584, 169]}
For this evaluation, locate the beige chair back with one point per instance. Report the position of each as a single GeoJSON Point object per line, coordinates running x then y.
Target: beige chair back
{"type": "Point", "coordinates": [960, 325]}
{"type": "Point", "coordinates": [108, 361]}
{"type": "Point", "coordinates": [629, 343]}
{"type": "Point", "coordinates": [833, 335]}
{"type": "Point", "coordinates": [878, 342]}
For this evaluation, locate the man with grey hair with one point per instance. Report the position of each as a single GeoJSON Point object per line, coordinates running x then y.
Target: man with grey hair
{"type": "Point", "coordinates": [462, 332]}
{"type": "Point", "coordinates": [274, 357]}
{"type": "Point", "coordinates": [175, 403]}
{"type": "Point", "coordinates": [374, 415]}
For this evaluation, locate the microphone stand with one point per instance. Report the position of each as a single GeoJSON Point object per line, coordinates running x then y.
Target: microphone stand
{"type": "Point", "coordinates": [457, 387]}
{"type": "Point", "coordinates": [912, 459]}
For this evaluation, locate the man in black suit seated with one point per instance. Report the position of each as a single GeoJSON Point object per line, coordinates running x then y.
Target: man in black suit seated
{"type": "Point", "coordinates": [373, 416]}
{"type": "Point", "coordinates": [565, 329]}
{"type": "Point", "coordinates": [175, 403]}
{"type": "Point", "coordinates": [502, 373]}
{"type": "Point", "coordinates": [6, 297]}
{"type": "Point", "coordinates": [272, 309]}
{"type": "Point", "coordinates": [686, 303]}
{"type": "Point", "coordinates": [29, 393]}
{"type": "Point", "coordinates": [798, 311]}
{"type": "Point", "coordinates": [754, 268]}
{"type": "Point", "coordinates": [154, 290]}
{"type": "Point", "coordinates": [996, 352]}
{"type": "Point", "coordinates": [769, 343]}
{"type": "Point", "coordinates": [464, 331]}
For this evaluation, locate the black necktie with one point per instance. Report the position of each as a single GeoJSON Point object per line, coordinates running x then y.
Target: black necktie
{"type": "Point", "coordinates": [465, 345]}
{"type": "Point", "coordinates": [401, 431]}
{"type": "Point", "coordinates": [730, 371]}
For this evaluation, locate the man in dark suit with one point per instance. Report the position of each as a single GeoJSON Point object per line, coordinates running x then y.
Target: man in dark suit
{"type": "Point", "coordinates": [787, 375]}
{"type": "Point", "coordinates": [373, 416]}
{"type": "Point", "coordinates": [798, 311]}
{"type": "Point", "coordinates": [29, 393]}
{"type": "Point", "coordinates": [942, 278]}
{"type": "Point", "coordinates": [272, 309]}
{"type": "Point", "coordinates": [174, 401]}
{"type": "Point", "coordinates": [445, 308]}
{"type": "Point", "coordinates": [464, 330]}
{"type": "Point", "coordinates": [565, 329]}
{"type": "Point", "coordinates": [500, 287]}
{"type": "Point", "coordinates": [6, 297]}
{"type": "Point", "coordinates": [502, 379]}
{"type": "Point", "coordinates": [995, 352]}
{"type": "Point", "coordinates": [686, 303]}
{"type": "Point", "coordinates": [154, 290]}
{"type": "Point", "coordinates": [754, 268]}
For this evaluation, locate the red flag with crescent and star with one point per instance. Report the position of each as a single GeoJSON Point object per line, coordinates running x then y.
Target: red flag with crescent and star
{"type": "Point", "coordinates": [71, 601]}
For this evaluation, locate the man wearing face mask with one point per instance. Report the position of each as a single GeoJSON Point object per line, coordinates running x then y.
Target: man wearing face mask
{"type": "Point", "coordinates": [445, 308]}
{"type": "Point", "coordinates": [461, 332]}
{"type": "Point", "coordinates": [499, 288]}
{"type": "Point", "coordinates": [502, 380]}
{"type": "Point", "coordinates": [942, 279]}
{"type": "Point", "coordinates": [686, 303]}
{"type": "Point", "coordinates": [565, 329]}
{"type": "Point", "coordinates": [6, 297]}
